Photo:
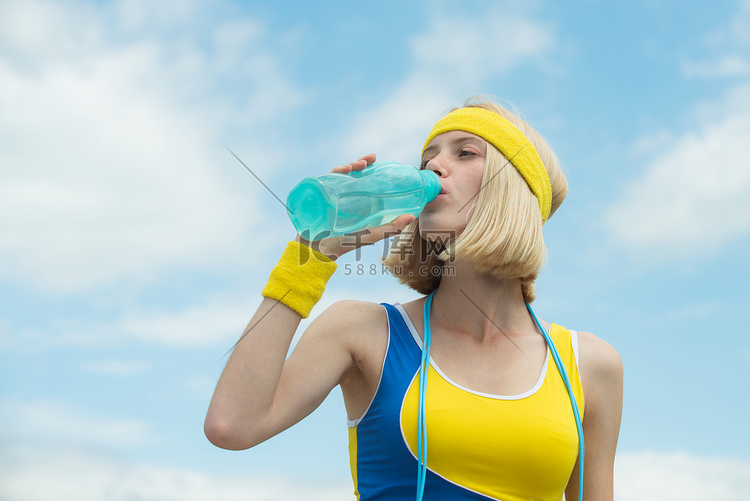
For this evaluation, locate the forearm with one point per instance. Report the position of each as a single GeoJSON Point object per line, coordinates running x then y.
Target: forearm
{"type": "Point", "coordinates": [243, 398]}
{"type": "Point", "coordinates": [240, 412]}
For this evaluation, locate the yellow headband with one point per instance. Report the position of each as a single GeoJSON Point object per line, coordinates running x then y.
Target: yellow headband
{"type": "Point", "coordinates": [509, 140]}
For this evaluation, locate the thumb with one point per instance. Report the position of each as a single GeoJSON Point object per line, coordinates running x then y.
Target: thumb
{"type": "Point", "coordinates": [401, 222]}
{"type": "Point", "coordinates": [391, 229]}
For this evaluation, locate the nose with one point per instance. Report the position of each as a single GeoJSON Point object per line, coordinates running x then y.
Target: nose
{"type": "Point", "coordinates": [437, 165]}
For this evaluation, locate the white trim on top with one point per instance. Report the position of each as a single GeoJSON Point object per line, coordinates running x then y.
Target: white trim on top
{"type": "Point", "coordinates": [526, 394]}
{"type": "Point", "coordinates": [574, 344]}
{"type": "Point", "coordinates": [352, 423]}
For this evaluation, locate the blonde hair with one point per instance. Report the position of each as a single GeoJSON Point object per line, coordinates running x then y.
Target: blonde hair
{"type": "Point", "coordinates": [503, 237]}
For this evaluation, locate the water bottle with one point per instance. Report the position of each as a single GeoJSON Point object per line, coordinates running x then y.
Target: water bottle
{"type": "Point", "coordinates": [332, 205]}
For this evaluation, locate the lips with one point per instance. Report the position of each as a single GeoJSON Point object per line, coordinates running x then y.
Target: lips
{"type": "Point", "coordinates": [439, 196]}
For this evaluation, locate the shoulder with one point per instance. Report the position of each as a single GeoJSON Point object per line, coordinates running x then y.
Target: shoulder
{"type": "Point", "coordinates": [352, 313]}
{"type": "Point", "coordinates": [351, 320]}
{"type": "Point", "coordinates": [600, 367]}
{"type": "Point", "coordinates": [597, 355]}
{"type": "Point", "coordinates": [360, 328]}
{"type": "Point", "coordinates": [352, 327]}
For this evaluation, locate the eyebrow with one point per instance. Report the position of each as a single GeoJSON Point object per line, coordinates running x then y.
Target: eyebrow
{"type": "Point", "coordinates": [458, 140]}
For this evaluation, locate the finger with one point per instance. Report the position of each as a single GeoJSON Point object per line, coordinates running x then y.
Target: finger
{"type": "Point", "coordinates": [368, 159]}
{"type": "Point", "coordinates": [363, 162]}
{"type": "Point", "coordinates": [360, 164]}
{"type": "Point", "coordinates": [402, 221]}
{"type": "Point", "coordinates": [391, 229]}
{"type": "Point", "coordinates": [337, 246]}
{"type": "Point", "coordinates": [342, 169]}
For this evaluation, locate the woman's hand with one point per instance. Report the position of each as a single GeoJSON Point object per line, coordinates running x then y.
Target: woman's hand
{"type": "Point", "coordinates": [335, 247]}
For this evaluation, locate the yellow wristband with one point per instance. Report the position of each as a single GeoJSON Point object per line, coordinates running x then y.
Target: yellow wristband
{"type": "Point", "coordinates": [300, 278]}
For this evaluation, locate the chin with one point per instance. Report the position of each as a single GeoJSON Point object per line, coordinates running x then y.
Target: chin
{"type": "Point", "coordinates": [431, 231]}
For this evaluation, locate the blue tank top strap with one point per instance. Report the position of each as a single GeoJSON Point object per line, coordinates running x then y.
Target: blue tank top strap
{"type": "Point", "coordinates": [385, 468]}
{"type": "Point", "coordinates": [381, 457]}
{"type": "Point", "coordinates": [401, 343]}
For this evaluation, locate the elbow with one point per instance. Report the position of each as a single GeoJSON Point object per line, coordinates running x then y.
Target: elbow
{"type": "Point", "coordinates": [225, 434]}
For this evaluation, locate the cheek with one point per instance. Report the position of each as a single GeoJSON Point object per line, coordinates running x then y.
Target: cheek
{"type": "Point", "coordinates": [476, 178]}
{"type": "Point", "coordinates": [473, 188]}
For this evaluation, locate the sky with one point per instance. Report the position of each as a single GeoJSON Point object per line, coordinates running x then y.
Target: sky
{"type": "Point", "coordinates": [134, 245]}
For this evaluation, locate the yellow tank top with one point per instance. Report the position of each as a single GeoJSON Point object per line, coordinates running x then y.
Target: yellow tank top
{"type": "Point", "coordinates": [513, 448]}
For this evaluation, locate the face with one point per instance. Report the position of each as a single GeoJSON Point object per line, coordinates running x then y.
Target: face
{"type": "Point", "coordinates": [458, 159]}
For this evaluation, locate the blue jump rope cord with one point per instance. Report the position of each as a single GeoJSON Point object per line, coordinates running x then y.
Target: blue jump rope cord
{"type": "Point", "coordinates": [573, 402]}
{"type": "Point", "coordinates": [422, 418]}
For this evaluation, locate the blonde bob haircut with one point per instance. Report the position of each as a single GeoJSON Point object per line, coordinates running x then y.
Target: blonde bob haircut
{"type": "Point", "coordinates": [503, 236]}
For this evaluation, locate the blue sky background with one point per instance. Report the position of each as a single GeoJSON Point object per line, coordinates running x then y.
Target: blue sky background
{"type": "Point", "coordinates": [133, 245]}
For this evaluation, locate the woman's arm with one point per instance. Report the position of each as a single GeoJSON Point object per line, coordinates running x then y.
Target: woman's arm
{"type": "Point", "coordinates": [242, 411]}
{"type": "Point", "coordinates": [260, 393]}
{"type": "Point", "coordinates": [602, 378]}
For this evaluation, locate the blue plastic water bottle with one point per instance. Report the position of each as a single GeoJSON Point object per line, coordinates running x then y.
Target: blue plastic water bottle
{"type": "Point", "coordinates": [332, 205]}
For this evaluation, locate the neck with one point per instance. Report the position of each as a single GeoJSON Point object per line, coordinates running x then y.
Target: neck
{"type": "Point", "coordinates": [479, 304]}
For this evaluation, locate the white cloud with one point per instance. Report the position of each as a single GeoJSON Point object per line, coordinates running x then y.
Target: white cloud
{"type": "Point", "coordinates": [497, 41]}
{"type": "Point", "coordinates": [691, 198]}
{"type": "Point", "coordinates": [740, 24]}
{"type": "Point", "coordinates": [31, 474]}
{"type": "Point", "coordinates": [729, 46]}
{"type": "Point", "coordinates": [657, 476]}
{"type": "Point", "coordinates": [135, 15]}
{"type": "Point", "coordinates": [452, 60]}
{"type": "Point", "coordinates": [109, 165]}
{"type": "Point", "coordinates": [53, 422]}
{"type": "Point", "coordinates": [734, 35]}
{"type": "Point", "coordinates": [222, 321]}
{"type": "Point", "coordinates": [396, 128]}
{"type": "Point", "coordinates": [38, 29]}
{"type": "Point", "coordinates": [728, 66]}
{"type": "Point", "coordinates": [214, 322]}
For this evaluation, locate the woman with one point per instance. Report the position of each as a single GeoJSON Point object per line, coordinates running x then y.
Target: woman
{"type": "Point", "coordinates": [491, 415]}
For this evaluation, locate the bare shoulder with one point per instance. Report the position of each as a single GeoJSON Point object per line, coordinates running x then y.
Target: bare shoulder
{"type": "Point", "coordinates": [354, 331]}
{"type": "Point", "coordinates": [355, 323]}
{"type": "Point", "coordinates": [600, 366]}
{"type": "Point", "coordinates": [597, 355]}
{"type": "Point", "coordinates": [361, 329]}
{"type": "Point", "coordinates": [352, 314]}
